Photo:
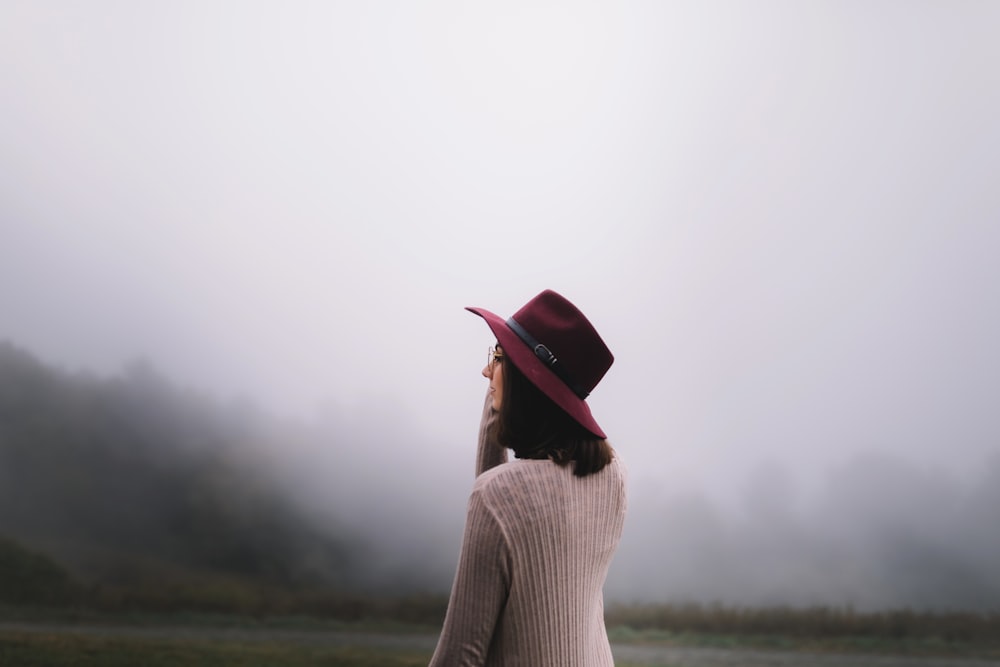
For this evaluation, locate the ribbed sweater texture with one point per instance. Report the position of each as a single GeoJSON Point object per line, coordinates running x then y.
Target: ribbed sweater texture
{"type": "Point", "coordinates": [537, 546]}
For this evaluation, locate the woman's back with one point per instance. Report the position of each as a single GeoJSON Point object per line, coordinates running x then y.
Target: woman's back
{"type": "Point", "coordinates": [562, 532]}
{"type": "Point", "coordinates": [537, 548]}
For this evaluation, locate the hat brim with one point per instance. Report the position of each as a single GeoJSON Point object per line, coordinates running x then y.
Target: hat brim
{"type": "Point", "coordinates": [538, 373]}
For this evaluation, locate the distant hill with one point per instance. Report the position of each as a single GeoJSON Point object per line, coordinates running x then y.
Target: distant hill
{"type": "Point", "coordinates": [128, 478]}
{"type": "Point", "coordinates": [31, 578]}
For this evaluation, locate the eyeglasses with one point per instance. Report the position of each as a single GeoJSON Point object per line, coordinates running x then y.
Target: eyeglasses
{"type": "Point", "coordinates": [495, 356]}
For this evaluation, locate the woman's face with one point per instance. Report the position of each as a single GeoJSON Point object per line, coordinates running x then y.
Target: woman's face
{"type": "Point", "coordinates": [493, 371]}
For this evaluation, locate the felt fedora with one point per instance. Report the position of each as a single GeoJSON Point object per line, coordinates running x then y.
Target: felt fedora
{"type": "Point", "coordinates": [557, 348]}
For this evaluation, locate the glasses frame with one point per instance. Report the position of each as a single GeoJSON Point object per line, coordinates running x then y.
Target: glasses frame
{"type": "Point", "coordinates": [494, 357]}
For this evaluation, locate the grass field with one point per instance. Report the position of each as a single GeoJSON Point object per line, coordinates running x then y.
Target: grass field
{"type": "Point", "coordinates": [226, 641]}
{"type": "Point", "coordinates": [32, 636]}
{"type": "Point", "coordinates": [72, 650]}
{"type": "Point", "coordinates": [73, 646]}
{"type": "Point", "coordinates": [59, 649]}
{"type": "Point", "coordinates": [185, 618]}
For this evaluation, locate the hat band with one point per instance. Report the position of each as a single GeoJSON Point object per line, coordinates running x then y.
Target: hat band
{"type": "Point", "coordinates": [545, 355]}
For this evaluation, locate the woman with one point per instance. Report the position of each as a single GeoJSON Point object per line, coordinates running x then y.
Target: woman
{"type": "Point", "coordinates": [540, 530]}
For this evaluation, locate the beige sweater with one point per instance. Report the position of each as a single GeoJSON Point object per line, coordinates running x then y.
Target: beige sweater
{"type": "Point", "coordinates": [537, 546]}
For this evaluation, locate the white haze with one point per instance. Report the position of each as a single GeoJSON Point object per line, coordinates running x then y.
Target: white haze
{"type": "Point", "coordinates": [783, 217]}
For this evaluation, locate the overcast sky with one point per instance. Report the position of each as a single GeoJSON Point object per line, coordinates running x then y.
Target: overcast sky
{"type": "Point", "coordinates": [784, 217]}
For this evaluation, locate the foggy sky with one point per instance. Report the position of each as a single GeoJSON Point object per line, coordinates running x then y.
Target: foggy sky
{"type": "Point", "coordinates": [782, 217]}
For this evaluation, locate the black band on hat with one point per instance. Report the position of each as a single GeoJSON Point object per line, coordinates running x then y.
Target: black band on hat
{"type": "Point", "coordinates": [545, 355]}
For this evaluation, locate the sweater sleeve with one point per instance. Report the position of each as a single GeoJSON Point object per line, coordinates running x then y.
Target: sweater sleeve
{"type": "Point", "coordinates": [489, 453]}
{"type": "Point", "coordinates": [479, 592]}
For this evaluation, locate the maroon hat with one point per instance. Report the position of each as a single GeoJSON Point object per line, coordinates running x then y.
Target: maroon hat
{"type": "Point", "coordinates": [557, 349]}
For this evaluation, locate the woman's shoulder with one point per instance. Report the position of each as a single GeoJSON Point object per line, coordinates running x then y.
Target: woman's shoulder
{"type": "Point", "coordinates": [617, 467]}
{"type": "Point", "coordinates": [513, 472]}
{"type": "Point", "coordinates": [528, 489]}
{"type": "Point", "coordinates": [522, 472]}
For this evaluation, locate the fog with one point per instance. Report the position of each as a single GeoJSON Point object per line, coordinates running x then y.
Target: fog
{"type": "Point", "coordinates": [782, 218]}
{"type": "Point", "coordinates": [878, 532]}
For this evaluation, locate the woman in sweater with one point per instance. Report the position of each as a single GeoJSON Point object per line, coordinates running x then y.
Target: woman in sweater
{"type": "Point", "coordinates": [540, 530]}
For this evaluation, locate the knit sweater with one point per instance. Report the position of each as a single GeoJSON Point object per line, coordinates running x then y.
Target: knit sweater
{"type": "Point", "coordinates": [538, 542]}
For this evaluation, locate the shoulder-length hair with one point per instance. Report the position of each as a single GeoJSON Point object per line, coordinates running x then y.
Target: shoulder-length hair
{"type": "Point", "coordinates": [529, 423]}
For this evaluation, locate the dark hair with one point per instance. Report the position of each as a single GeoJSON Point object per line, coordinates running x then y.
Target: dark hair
{"type": "Point", "coordinates": [536, 428]}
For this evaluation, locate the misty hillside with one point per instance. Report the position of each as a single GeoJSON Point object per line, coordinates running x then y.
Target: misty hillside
{"type": "Point", "coordinates": [129, 476]}
{"type": "Point", "coordinates": [127, 479]}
